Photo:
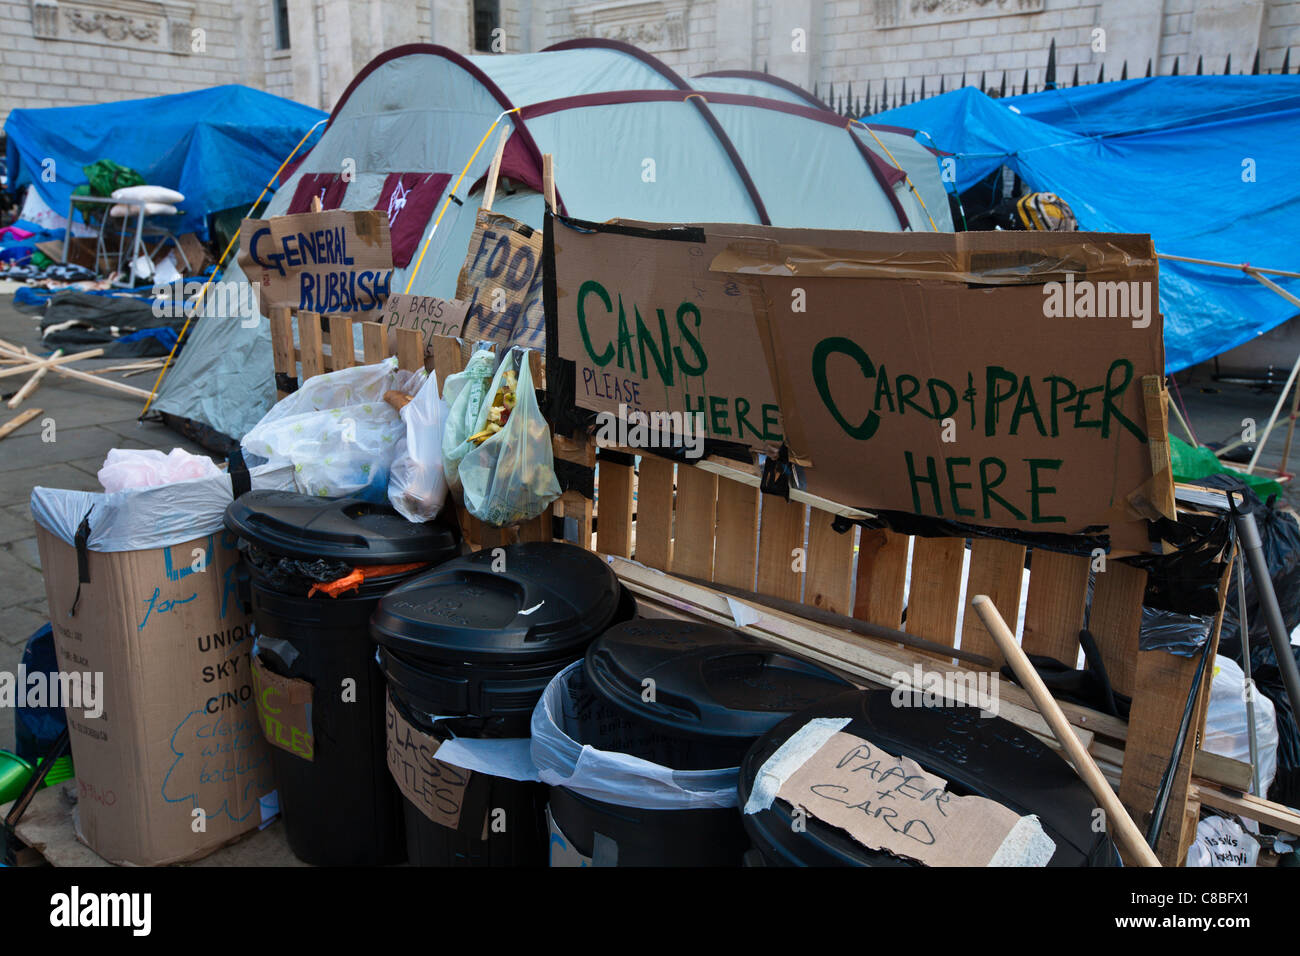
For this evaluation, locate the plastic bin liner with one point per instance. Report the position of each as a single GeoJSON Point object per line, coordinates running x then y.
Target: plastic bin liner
{"type": "Point", "coordinates": [1179, 634]}
{"type": "Point", "coordinates": [611, 777]}
{"type": "Point", "coordinates": [141, 519]}
{"type": "Point", "coordinates": [1225, 721]}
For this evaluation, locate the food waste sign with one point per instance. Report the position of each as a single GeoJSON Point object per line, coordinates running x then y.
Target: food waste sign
{"type": "Point", "coordinates": [335, 262]}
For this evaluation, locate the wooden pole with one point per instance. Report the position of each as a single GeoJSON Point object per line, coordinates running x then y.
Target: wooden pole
{"type": "Point", "coordinates": [1120, 823]}
{"type": "Point", "coordinates": [60, 360]}
{"type": "Point", "coordinates": [32, 383]}
{"type": "Point", "coordinates": [18, 421]}
{"type": "Point", "coordinates": [548, 180]}
{"type": "Point", "coordinates": [494, 171]}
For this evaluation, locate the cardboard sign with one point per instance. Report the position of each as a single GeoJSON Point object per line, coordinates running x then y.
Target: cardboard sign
{"type": "Point", "coordinates": [648, 326]}
{"type": "Point", "coordinates": [284, 711]}
{"type": "Point", "coordinates": [428, 315]}
{"type": "Point", "coordinates": [890, 803]}
{"type": "Point", "coordinates": [339, 261]}
{"type": "Point", "coordinates": [437, 789]}
{"type": "Point", "coordinates": [501, 283]}
{"type": "Point", "coordinates": [174, 729]}
{"type": "Point", "coordinates": [964, 376]}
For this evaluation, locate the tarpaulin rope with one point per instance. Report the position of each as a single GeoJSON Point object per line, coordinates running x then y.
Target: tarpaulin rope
{"type": "Point", "coordinates": [410, 280]}
{"type": "Point", "coordinates": [198, 300]}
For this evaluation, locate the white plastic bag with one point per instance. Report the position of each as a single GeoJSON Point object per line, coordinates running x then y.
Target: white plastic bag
{"type": "Point", "coordinates": [1225, 721]}
{"type": "Point", "coordinates": [464, 393]}
{"type": "Point", "coordinates": [337, 431]}
{"type": "Point", "coordinates": [616, 778]}
{"type": "Point", "coordinates": [1221, 841]}
{"type": "Point", "coordinates": [126, 468]}
{"type": "Point", "coordinates": [416, 486]}
{"type": "Point", "coordinates": [510, 477]}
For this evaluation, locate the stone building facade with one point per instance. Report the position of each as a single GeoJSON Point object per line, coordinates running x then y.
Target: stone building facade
{"type": "Point", "coordinates": [63, 52]}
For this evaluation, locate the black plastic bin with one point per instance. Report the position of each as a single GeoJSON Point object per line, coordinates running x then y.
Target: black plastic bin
{"type": "Point", "coordinates": [714, 692]}
{"type": "Point", "coordinates": [341, 808]}
{"type": "Point", "coordinates": [984, 756]}
{"type": "Point", "coordinates": [467, 650]}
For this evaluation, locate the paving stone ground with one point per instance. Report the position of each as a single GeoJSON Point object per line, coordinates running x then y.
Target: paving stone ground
{"type": "Point", "coordinates": [86, 422]}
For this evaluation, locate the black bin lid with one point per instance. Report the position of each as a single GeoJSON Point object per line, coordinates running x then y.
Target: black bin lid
{"type": "Point", "coordinates": [710, 682]}
{"type": "Point", "coordinates": [544, 603]}
{"type": "Point", "coordinates": [341, 529]}
{"type": "Point", "coordinates": [986, 756]}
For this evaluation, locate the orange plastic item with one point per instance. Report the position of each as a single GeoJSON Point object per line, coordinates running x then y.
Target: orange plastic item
{"type": "Point", "coordinates": [353, 579]}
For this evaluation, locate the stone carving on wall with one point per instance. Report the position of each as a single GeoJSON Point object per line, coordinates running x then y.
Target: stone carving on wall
{"type": "Point", "coordinates": [654, 25]}
{"type": "Point", "coordinates": [907, 13]}
{"type": "Point", "coordinates": [140, 24]}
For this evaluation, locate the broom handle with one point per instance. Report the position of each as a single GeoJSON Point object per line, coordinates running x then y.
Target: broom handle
{"type": "Point", "coordinates": [1121, 824]}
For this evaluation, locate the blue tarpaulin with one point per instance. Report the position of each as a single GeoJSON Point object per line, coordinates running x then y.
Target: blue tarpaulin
{"type": "Point", "coordinates": [1207, 165]}
{"type": "Point", "coordinates": [217, 146]}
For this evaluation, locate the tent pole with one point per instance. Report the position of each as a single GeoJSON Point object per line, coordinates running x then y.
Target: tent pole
{"type": "Point", "coordinates": [198, 300]}
{"type": "Point", "coordinates": [1182, 421]}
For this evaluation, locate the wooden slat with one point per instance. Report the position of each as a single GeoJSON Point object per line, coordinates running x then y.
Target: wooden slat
{"type": "Point", "coordinates": [1163, 682]}
{"type": "Point", "coordinates": [696, 518]}
{"type": "Point", "coordinates": [737, 537]}
{"type": "Point", "coordinates": [374, 342]}
{"type": "Point", "coordinates": [1058, 589]}
{"type": "Point", "coordinates": [829, 583]}
{"type": "Point", "coordinates": [410, 349]}
{"type": "Point", "coordinates": [310, 344]}
{"type": "Point", "coordinates": [996, 569]}
{"type": "Point", "coordinates": [781, 527]}
{"type": "Point", "coordinates": [342, 351]}
{"type": "Point", "coordinates": [448, 359]}
{"type": "Point", "coordinates": [936, 588]}
{"type": "Point", "coordinates": [539, 529]}
{"type": "Point", "coordinates": [614, 507]}
{"type": "Point", "coordinates": [1156, 403]}
{"type": "Point", "coordinates": [881, 575]}
{"type": "Point", "coordinates": [282, 345]}
{"type": "Point", "coordinates": [1116, 619]}
{"type": "Point", "coordinates": [18, 421]}
{"type": "Point", "coordinates": [654, 512]}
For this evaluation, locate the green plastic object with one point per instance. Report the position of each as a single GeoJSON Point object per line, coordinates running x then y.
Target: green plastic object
{"type": "Point", "coordinates": [1190, 463]}
{"type": "Point", "coordinates": [14, 774]}
{"type": "Point", "coordinates": [105, 176]}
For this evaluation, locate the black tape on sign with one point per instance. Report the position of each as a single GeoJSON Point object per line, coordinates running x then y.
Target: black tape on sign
{"type": "Point", "coordinates": [777, 473]}
{"type": "Point", "coordinates": [286, 383]}
{"type": "Point", "coordinates": [575, 477]}
{"type": "Point", "coordinates": [615, 457]}
{"type": "Point", "coordinates": [83, 561]}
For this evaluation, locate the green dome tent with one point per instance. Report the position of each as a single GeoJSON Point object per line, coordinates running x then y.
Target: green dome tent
{"type": "Point", "coordinates": [631, 139]}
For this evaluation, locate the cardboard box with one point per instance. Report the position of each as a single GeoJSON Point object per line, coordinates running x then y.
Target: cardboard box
{"type": "Point", "coordinates": [178, 731]}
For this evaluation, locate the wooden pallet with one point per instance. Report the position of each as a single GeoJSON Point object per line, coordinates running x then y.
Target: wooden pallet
{"type": "Point", "coordinates": [717, 527]}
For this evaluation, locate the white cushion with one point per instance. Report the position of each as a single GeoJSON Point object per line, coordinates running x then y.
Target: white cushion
{"type": "Point", "coordinates": [150, 209]}
{"type": "Point", "coordinates": [148, 194]}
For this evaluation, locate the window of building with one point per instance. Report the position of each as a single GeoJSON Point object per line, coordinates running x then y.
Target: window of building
{"type": "Point", "coordinates": [487, 17]}
{"type": "Point", "coordinates": [280, 12]}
